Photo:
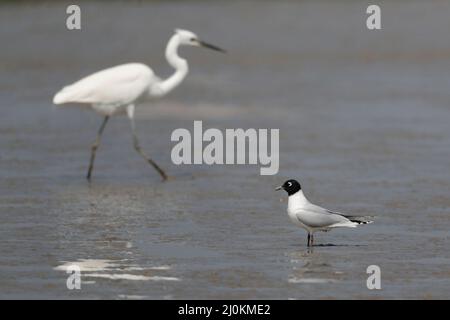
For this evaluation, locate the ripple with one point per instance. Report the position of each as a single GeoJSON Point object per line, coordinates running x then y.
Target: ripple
{"type": "Point", "coordinates": [117, 270]}
{"type": "Point", "coordinates": [311, 280]}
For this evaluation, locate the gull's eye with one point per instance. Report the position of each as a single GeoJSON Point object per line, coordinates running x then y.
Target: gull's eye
{"type": "Point", "coordinates": [193, 39]}
{"type": "Point", "coordinates": [289, 184]}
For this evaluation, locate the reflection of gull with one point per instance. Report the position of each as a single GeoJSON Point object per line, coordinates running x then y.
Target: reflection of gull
{"type": "Point", "coordinates": [310, 268]}
{"type": "Point", "coordinates": [314, 218]}
{"type": "Point", "coordinates": [310, 280]}
{"type": "Point", "coordinates": [116, 270]}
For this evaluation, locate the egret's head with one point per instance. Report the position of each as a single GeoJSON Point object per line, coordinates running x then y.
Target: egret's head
{"type": "Point", "coordinates": [189, 38]}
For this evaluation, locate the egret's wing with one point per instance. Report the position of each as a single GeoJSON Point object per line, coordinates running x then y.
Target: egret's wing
{"type": "Point", "coordinates": [118, 85]}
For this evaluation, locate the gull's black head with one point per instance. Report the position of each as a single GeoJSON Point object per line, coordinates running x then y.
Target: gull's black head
{"type": "Point", "coordinates": [291, 186]}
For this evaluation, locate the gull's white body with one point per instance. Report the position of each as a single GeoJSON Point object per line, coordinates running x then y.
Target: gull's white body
{"type": "Point", "coordinates": [314, 218]}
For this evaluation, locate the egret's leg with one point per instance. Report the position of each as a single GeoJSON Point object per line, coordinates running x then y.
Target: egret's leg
{"type": "Point", "coordinates": [95, 147]}
{"type": "Point", "coordinates": [138, 148]}
{"type": "Point", "coordinates": [309, 239]}
{"type": "Point", "coordinates": [312, 239]}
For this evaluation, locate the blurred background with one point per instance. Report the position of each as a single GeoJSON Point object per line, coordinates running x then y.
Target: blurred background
{"type": "Point", "coordinates": [364, 125]}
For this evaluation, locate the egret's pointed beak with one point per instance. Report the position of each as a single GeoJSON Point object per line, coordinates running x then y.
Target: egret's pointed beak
{"type": "Point", "coordinates": [278, 188]}
{"type": "Point", "coordinates": [210, 46]}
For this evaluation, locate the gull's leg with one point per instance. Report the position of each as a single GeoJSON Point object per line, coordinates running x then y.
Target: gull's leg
{"type": "Point", "coordinates": [137, 147]}
{"type": "Point", "coordinates": [312, 239]}
{"type": "Point", "coordinates": [95, 146]}
{"type": "Point", "coordinates": [309, 239]}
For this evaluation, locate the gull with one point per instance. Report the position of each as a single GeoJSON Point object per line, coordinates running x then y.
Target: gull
{"type": "Point", "coordinates": [313, 218]}
{"type": "Point", "coordinates": [116, 90]}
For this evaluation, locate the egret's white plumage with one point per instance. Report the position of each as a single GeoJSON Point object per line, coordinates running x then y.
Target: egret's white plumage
{"type": "Point", "coordinates": [109, 89]}
{"type": "Point", "coordinates": [116, 90]}
{"type": "Point", "coordinates": [313, 218]}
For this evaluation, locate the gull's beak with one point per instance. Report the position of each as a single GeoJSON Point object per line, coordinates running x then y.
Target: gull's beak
{"type": "Point", "coordinates": [278, 188]}
{"type": "Point", "coordinates": [210, 46]}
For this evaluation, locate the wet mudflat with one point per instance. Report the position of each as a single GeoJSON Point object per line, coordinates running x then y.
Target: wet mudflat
{"type": "Point", "coordinates": [364, 125]}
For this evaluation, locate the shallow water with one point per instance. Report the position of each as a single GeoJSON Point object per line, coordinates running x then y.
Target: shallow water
{"type": "Point", "coordinates": [364, 124]}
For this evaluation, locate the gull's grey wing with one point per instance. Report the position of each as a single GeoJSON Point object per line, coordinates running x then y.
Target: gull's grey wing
{"type": "Point", "coordinates": [318, 217]}
{"type": "Point", "coordinates": [352, 218]}
{"type": "Point", "coordinates": [357, 219]}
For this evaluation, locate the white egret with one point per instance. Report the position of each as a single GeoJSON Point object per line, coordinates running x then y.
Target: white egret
{"type": "Point", "coordinates": [116, 90]}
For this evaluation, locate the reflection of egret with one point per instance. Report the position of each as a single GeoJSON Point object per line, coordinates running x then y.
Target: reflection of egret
{"type": "Point", "coordinates": [116, 90]}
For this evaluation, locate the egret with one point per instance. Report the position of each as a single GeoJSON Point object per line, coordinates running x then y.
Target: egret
{"type": "Point", "coordinates": [117, 90]}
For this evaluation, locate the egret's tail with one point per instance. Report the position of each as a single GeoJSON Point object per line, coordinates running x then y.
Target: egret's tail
{"type": "Point", "coordinates": [60, 97]}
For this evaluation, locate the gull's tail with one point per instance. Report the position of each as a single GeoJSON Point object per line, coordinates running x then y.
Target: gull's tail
{"type": "Point", "coordinates": [355, 219]}
{"type": "Point", "coordinates": [359, 219]}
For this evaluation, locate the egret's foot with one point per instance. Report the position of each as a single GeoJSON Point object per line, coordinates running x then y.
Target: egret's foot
{"type": "Point", "coordinates": [168, 178]}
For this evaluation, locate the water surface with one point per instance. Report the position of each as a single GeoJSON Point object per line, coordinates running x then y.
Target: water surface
{"type": "Point", "coordinates": [364, 123]}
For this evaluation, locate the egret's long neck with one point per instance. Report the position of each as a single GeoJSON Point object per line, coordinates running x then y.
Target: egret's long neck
{"type": "Point", "coordinates": [179, 64]}
{"type": "Point", "coordinates": [297, 200]}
